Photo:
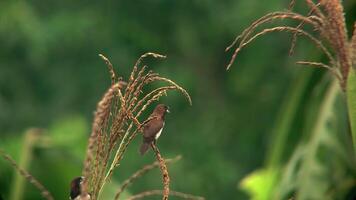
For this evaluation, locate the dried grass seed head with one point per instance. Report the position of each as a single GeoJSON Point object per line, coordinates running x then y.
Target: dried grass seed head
{"type": "Point", "coordinates": [113, 130]}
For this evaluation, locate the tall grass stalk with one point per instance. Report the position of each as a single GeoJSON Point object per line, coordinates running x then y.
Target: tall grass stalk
{"type": "Point", "coordinates": [117, 122]}
{"type": "Point", "coordinates": [351, 101]}
{"type": "Point", "coordinates": [17, 193]}
{"type": "Point", "coordinates": [286, 116]}
{"type": "Point", "coordinates": [329, 35]}
{"type": "Point", "coordinates": [326, 113]}
{"type": "Point", "coordinates": [26, 155]}
{"type": "Point", "coordinates": [323, 26]}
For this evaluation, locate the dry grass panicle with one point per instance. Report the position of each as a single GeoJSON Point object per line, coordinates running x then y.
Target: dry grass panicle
{"type": "Point", "coordinates": [329, 34]}
{"type": "Point", "coordinates": [117, 121]}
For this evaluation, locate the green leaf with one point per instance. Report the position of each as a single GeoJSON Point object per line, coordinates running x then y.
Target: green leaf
{"type": "Point", "coordinates": [319, 167]}
{"type": "Point", "coordinates": [351, 103]}
{"type": "Point", "coordinates": [32, 137]}
{"type": "Point", "coordinates": [288, 112]}
{"type": "Point", "coordinates": [260, 183]}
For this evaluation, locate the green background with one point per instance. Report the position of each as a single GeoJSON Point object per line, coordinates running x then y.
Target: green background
{"type": "Point", "coordinates": [51, 77]}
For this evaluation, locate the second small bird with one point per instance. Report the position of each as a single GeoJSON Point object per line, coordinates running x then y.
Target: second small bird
{"type": "Point", "coordinates": [153, 128]}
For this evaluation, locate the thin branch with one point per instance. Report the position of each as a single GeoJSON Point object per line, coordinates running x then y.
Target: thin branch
{"type": "Point", "coordinates": [140, 173]}
{"type": "Point", "coordinates": [149, 96]}
{"type": "Point", "coordinates": [294, 39]}
{"type": "Point", "coordinates": [315, 64]}
{"type": "Point", "coordinates": [270, 17]}
{"type": "Point", "coordinates": [291, 5]}
{"type": "Point", "coordinates": [316, 8]}
{"type": "Point", "coordinates": [132, 76]}
{"type": "Point", "coordinates": [111, 69]}
{"type": "Point", "coordinates": [317, 42]}
{"type": "Point", "coordinates": [44, 192]}
{"type": "Point", "coordinates": [181, 89]}
{"type": "Point", "coordinates": [164, 171]}
{"type": "Point", "coordinates": [159, 192]}
{"type": "Point", "coordinates": [334, 71]}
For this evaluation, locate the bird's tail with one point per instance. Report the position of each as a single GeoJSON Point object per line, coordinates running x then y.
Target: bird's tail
{"type": "Point", "coordinates": [144, 148]}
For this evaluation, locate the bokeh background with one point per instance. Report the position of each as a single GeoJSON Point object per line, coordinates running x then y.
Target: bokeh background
{"type": "Point", "coordinates": [51, 78]}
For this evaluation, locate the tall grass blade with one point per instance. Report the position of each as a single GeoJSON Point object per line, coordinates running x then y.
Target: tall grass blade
{"type": "Point", "coordinates": [19, 181]}
{"type": "Point", "coordinates": [284, 122]}
{"type": "Point", "coordinates": [351, 103]}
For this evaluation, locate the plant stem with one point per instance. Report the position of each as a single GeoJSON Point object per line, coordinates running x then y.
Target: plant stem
{"type": "Point", "coordinates": [351, 104]}
{"type": "Point", "coordinates": [18, 186]}
{"type": "Point", "coordinates": [285, 119]}
{"type": "Point", "coordinates": [326, 112]}
{"type": "Point", "coordinates": [164, 171]}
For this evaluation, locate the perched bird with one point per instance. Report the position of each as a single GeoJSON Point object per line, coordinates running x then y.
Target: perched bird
{"type": "Point", "coordinates": [75, 189]}
{"type": "Point", "coordinates": [153, 128]}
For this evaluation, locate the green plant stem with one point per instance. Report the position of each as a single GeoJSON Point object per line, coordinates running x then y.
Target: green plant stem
{"type": "Point", "coordinates": [351, 104]}
{"type": "Point", "coordinates": [117, 157]}
{"type": "Point", "coordinates": [326, 112]}
{"type": "Point", "coordinates": [18, 183]}
{"type": "Point", "coordinates": [285, 118]}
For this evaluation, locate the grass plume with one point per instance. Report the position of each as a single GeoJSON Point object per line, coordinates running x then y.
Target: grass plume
{"type": "Point", "coordinates": [327, 21]}
{"type": "Point", "coordinates": [117, 121]}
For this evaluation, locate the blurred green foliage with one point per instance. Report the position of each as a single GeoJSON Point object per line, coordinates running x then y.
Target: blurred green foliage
{"type": "Point", "coordinates": [51, 77]}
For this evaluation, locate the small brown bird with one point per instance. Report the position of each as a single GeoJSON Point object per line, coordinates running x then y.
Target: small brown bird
{"type": "Point", "coordinates": [75, 189]}
{"type": "Point", "coordinates": [153, 128]}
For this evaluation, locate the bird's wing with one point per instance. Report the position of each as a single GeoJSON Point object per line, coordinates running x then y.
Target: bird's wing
{"type": "Point", "coordinates": [152, 127]}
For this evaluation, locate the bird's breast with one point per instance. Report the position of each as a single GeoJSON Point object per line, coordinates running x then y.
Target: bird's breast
{"type": "Point", "coordinates": [159, 132]}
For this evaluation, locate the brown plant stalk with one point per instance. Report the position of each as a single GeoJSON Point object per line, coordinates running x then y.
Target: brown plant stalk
{"type": "Point", "coordinates": [164, 171]}
{"type": "Point", "coordinates": [44, 192]}
{"type": "Point", "coordinates": [96, 138]}
{"type": "Point", "coordinates": [159, 192]}
{"type": "Point", "coordinates": [142, 172]}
